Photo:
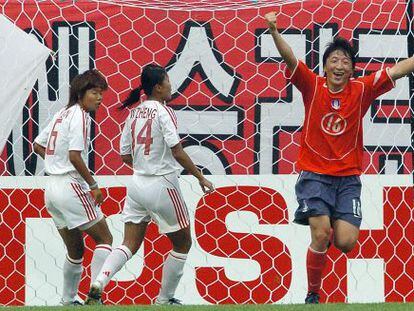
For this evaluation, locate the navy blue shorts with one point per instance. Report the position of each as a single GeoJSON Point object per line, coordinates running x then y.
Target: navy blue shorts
{"type": "Point", "coordinates": [338, 197]}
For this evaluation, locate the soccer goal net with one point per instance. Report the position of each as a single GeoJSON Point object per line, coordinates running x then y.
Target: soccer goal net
{"type": "Point", "coordinates": [240, 121]}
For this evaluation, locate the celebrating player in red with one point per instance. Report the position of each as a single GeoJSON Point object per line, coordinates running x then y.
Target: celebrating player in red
{"type": "Point", "coordinates": [330, 158]}
{"type": "Point", "coordinates": [151, 145]}
{"type": "Point", "coordinates": [64, 144]}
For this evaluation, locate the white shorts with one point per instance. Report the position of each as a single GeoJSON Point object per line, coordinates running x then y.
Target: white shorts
{"type": "Point", "coordinates": [70, 203]}
{"type": "Point", "coordinates": [158, 198]}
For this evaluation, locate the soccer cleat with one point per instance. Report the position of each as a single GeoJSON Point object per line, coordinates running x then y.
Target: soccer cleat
{"type": "Point", "coordinates": [174, 301]}
{"type": "Point", "coordinates": [312, 298]}
{"type": "Point", "coordinates": [171, 301]}
{"type": "Point", "coordinates": [95, 294]}
{"type": "Point", "coordinates": [77, 302]}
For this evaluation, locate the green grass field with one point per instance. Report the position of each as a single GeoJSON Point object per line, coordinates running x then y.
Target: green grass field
{"type": "Point", "coordinates": [328, 307]}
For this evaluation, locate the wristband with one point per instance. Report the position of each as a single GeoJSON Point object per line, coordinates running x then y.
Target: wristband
{"type": "Point", "coordinates": [94, 186]}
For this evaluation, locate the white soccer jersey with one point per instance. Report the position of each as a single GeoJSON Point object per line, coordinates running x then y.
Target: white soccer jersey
{"type": "Point", "coordinates": [149, 133]}
{"type": "Point", "coordinates": [68, 130]}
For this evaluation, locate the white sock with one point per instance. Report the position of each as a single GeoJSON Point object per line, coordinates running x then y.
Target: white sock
{"type": "Point", "coordinates": [171, 274]}
{"type": "Point", "coordinates": [100, 254]}
{"type": "Point", "coordinates": [72, 272]}
{"type": "Point", "coordinates": [115, 261]}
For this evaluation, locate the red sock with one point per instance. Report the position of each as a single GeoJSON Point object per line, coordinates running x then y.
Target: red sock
{"type": "Point", "coordinates": [315, 262]}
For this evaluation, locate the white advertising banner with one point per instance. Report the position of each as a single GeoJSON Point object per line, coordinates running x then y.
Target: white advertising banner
{"type": "Point", "coordinates": [44, 259]}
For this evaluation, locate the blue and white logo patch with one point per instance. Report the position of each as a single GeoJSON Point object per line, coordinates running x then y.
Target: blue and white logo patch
{"type": "Point", "coordinates": [336, 104]}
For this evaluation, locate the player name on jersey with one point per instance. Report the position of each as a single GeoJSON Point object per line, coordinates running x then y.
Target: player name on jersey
{"type": "Point", "coordinates": [144, 113]}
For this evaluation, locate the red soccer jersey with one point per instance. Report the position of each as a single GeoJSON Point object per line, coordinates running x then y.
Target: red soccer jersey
{"type": "Point", "coordinates": [331, 141]}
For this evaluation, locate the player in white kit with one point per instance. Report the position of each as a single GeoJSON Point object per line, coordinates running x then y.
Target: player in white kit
{"type": "Point", "coordinates": [64, 144]}
{"type": "Point", "coordinates": [151, 144]}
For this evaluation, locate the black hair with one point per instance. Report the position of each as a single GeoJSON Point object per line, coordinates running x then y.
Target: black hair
{"type": "Point", "coordinates": [343, 45]}
{"type": "Point", "coordinates": [81, 83]}
{"type": "Point", "coordinates": [152, 74]}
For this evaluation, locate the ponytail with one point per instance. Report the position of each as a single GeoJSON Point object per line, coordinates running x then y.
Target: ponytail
{"type": "Point", "coordinates": [133, 97]}
{"type": "Point", "coordinates": [152, 75]}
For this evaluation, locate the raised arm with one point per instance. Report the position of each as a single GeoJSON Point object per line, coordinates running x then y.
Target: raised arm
{"type": "Point", "coordinates": [282, 46]}
{"type": "Point", "coordinates": [402, 68]}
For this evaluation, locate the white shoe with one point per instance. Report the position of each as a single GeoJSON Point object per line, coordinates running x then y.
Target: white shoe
{"type": "Point", "coordinates": [77, 302]}
{"type": "Point", "coordinates": [171, 301]}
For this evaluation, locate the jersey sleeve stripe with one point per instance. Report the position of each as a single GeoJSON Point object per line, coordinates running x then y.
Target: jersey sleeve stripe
{"type": "Point", "coordinates": [133, 135]}
{"type": "Point", "coordinates": [293, 71]}
{"type": "Point", "coordinates": [84, 128]}
{"type": "Point", "coordinates": [377, 76]}
{"type": "Point", "coordinates": [172, 115]}
{"type": "Point", "coordinates": [387, 70]}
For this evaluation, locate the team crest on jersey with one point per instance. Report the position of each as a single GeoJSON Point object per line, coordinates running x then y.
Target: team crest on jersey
{"type": "Point", "coordinates": [336, 104]}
